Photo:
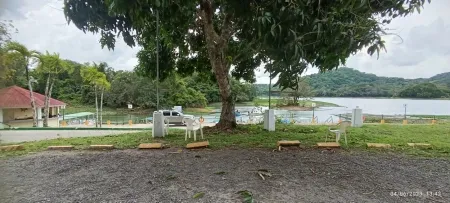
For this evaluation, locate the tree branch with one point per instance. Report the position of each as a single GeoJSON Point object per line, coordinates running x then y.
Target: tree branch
{"type": "Point", "coordinates": [227, 27]}
{"type": "Point", "coordinates": [206, 14]}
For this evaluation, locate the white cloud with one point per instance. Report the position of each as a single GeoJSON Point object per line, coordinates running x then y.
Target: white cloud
{"type": "Point", "coordinates": [42, 26]}
{"type": "Point", "coordinates": [424, 52]}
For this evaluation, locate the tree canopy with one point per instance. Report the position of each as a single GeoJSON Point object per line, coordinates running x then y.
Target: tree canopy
{"type": "Point", "coordinates": [424, 90]}
{"type": "Point", "coordinates": [74, 82]}
{"type": "Point", "coordinates": [211, 36]}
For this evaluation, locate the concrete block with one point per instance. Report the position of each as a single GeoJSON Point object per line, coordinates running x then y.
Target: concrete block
{"type": "Point", "coordinates": [328, 145]}
{"type": "Point", "coordinates": [101, 147]}
{"type": "Point", "coordinates": [67, 147]}
{"type": "Point", "coordinates": [11, 147]}
{"type": "Point", "coordinates": [419, 145]}
{"type": "Point", "coordinates": [378, 145]}
{"type": "Point", "coordinates": [150, 146]}
{"type": "Point", "coordinates": [288, 143]}
{"type": "Point", "coordinates": [197, 145]}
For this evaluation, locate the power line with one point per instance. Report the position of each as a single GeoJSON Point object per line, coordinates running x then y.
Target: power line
{"type": "Point", "coordinates": [53, 7]}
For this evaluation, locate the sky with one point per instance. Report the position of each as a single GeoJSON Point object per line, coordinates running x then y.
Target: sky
{"type": "Point", "coordinates": [418, 48]}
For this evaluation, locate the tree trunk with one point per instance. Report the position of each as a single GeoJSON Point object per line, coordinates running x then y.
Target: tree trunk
{"type": "Point", "coordinates": [217, 46]}
{"type": "Point", "coordinates": [47, 88]}
{"type": "Point", "coordinates": [101, 108]}
{"type": "Point", "coordinates": [227, 115]}
{"type": "Point", "coordinates": [96, 107]}
{"type": "Point", "coordinates": [33, 104]}
{"type": "Point", "coordinates": [48, 102]}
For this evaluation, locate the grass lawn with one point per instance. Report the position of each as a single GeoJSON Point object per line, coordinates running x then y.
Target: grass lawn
{"type": "Point", "coordinates": [106, 110]}
{"type": "Point", "coordinates": [198, 111]}
{"type": "Point", "coordinates": [253, 136]}
{"type": "Point", "coordinates": [218, 105]}
{"type": "Point", "coordinates": [432, 116]}
{"type": "Point", "coordinates": [83, 108]}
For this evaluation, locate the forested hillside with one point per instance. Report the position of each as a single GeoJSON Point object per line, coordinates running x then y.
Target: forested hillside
{"type": "Point", "coordinates": [347, 82]}
{"type": "Point", "coordinates": [124, 87]}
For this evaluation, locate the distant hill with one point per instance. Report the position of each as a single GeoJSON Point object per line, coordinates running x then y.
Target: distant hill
{"type": "Point", "coordinates": [441, 79]}
{"type": "Point", "coordinates": [347, 82]}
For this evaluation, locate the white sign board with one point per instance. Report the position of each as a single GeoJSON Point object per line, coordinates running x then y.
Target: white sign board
{"type": "Point", "coordinates": [130, 106]}
{"type": "Point", "coordinates": [313, 104]}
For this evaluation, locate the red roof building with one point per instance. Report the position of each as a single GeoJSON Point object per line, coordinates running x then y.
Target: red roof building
{"type": "Point", "coordinates": [17, 97]}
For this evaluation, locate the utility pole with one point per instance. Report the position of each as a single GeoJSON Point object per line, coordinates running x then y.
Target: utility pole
{"type": "Point", "coordinates": [157, 59]}
{"type": "Point", "coordinates": [270, 85]}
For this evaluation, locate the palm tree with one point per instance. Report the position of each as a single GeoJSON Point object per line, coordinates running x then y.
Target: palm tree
{"type": "Point", "coordinates": [103, 85]}
{"type": "Point", "coordinates": [97, 79]}
{"type": "Point", "coordinates": [50, 65]}
{"type": "Point", "coordinates": [29, 56]}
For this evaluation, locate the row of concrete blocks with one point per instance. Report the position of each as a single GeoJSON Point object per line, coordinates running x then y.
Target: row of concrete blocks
{"type": "Point", "coordinates": [106, 147]}
{"type": "Point", "coordinates": [206, 144]}
{"type": "Point", "coordinates": [337, 145]}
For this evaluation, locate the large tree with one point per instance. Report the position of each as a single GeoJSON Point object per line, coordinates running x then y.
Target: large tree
{"type": "Point", "coordinates": [211, 36]}
{"type": "Point", "coordinates": [29, 56]}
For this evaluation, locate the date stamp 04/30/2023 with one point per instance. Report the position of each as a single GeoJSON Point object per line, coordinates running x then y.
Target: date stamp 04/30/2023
{"type": "Point", "coordinates": [415, 194]}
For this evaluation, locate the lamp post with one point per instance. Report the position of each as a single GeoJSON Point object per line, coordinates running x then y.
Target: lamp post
{"type": "Point", "coordinates": [157, 59]}
{"type": "Point", "coordinates": [313, 106]}
{"type": "Point", "coordinates": [270, 85]}
{"type": "Point", "coordinates": [404, 105]}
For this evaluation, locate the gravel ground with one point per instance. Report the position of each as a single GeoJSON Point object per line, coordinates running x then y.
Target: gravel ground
{"type": "Point", "coordinates": [164, 176]}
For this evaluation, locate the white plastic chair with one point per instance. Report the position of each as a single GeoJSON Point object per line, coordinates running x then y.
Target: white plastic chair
{"type": "Point", "coordinates": [191, 127]}
{"type": "Point", "coordinates": [341, 131]}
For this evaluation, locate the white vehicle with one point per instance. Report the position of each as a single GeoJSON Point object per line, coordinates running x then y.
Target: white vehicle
{"type": "Point", "coordinates": [259, 110]}
{"type": "Point", "coordinates": [175, 117]}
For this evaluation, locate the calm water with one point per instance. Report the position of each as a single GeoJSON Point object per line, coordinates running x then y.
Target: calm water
{"type": "Point", "coordinates": [368, 105]}
{"type": "Point", "coordinates": [393, 106]}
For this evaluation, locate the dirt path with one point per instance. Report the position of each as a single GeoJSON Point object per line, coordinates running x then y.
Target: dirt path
{"type": "Point", "coordinates": [161, 176]}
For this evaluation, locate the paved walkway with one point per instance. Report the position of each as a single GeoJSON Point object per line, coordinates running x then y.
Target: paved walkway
{"type": "Point", "coordinates": [10, 136]}
{"type": "Point", "coordinates": [134, 126]}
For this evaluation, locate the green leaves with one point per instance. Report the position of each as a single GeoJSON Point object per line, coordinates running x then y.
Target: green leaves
{"type": "Point", "coordinates": [246, 195]}
{"type": "Point", "coordinates": [52, 64]}
{"type": "Point", "coordinates": [321, 34]}
{"type": "Point", "coordinates": [198, 195]}
{"type": "Point", "coordinates": [93, 77]}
